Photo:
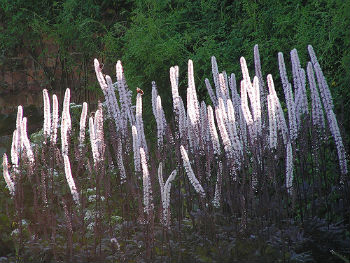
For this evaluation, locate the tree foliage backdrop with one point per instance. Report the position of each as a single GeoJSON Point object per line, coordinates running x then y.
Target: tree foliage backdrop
{"type": "Point", "coordinates": [150, 36]}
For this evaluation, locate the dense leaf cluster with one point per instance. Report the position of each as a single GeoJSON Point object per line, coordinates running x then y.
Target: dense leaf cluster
{"type": "Point", "coordinates": [149, 36]}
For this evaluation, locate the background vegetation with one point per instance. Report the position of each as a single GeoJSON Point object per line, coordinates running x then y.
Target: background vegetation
{"type": "Point", "coordinates": [150, 36]}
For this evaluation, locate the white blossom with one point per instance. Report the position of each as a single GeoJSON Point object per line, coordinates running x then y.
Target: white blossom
{"type": "Point", "coordinates": [194, 181]}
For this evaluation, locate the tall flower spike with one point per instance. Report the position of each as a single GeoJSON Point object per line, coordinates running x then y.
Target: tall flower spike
{"type": "Point", "coordinates": [192, 95]}
{"type": "Point", "coordinates": [15, 150]}
{"type": "Point", "coordinates": [205, 135]}
{"type": "Point", "coordinates": [317, 112]}
{"type": "Point", "coordinates": [147, 189]}
{"type": "Point", "coordinates": [328, 106]}
{"type": "Point", "coordinates": [139, 124]}
{"type": "Point", "coordinates": [182, 120]}
{"type": "Point", "coordinates": [19, 120]}
{"type": "Point", "coordinates": [301, 104]}
{"type": "Point", "coordinates": [280, 119]}
{"type": "Point", "coordinates": [70, 180]}
{"type": "Point", "coordinates": [321, 80]}
{"type": "Point", "coordinates": [289, 168]}
{"type": "Point", "coordinates": [47, 114]}
{"type": "Point", "coordinates": [108, 91]}
{"type": "Point", "coordinates": [215, 70]}
{"type": "Point", "coordinates": [25, 141]}
{"type": "Point", "coordinates": [154, 99]}
{"type": "Point", "coordinates": [166, 198]}
{"type": "Point", "coordinates": [124, 96]}
{"type": "Point", "coordinates": [333, 126]}
{"type": "Point", "coordinates": [217, 195]}
{"type": "Point", "coordinates": [272, 122]}
{"type": "Point", "coordinates": [66, 111]}
{"type": "Point", "coordinates": [213, 133]}
{"type": "Point", "coordinates": [257, 105]}
{"type": "Point", "coordinates": [99, 132]}
{"type": "Point", "coordinates": [112, 103]}
{"type": "Point", "coordinates": [211, 92]}
{"type": "Point", "coordinates": [237, 145]}
{"type": "Point", "coordinates": [223, 131]}
{"type": "Point", "coordinates": [194, 181]}
{"type": "Point", "coordinates": [93, 141]}
{"type": "Point", "coordinates": [7, 177]}
{"type": "Point", "coordinates": [160, 178]}
{"type": "Point", "coordinates": [83, 124]}
{"type": "Point", "coordinates": [246, 112]}
{"type": "Point", "coordinates": [288, 94]}
{"type": "Point", "coordinates": [160, 121]}
{"type": "Point", "coordinates": [54, 125]}
{"type": "Point", "coordinates": [136, 149]}
{"type": "Point", "coordinates": [258, 73]}
{"type": "Point", "coordinates": [121, 162]}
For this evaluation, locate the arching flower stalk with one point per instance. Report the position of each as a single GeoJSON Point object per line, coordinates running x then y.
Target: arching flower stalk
{"type": "Point", "coordinates": [237, 144]}
{"type": "Point", "coordinates": [6, 174]}
{"type": "Point", "coordinates": [70, 180]}
{"type": "Point", "coordinates": [321, 80]}
{"type": "Point", "coordinates": [328, 106]}
{"type": "Point", "coordinates": [213, 132]}
{"type": "Point", "coordinates": [47, 115]}
{"type": "Point", "coordinates": [194, 181]}
{"type": "Point", "coordinates": [112, 104]}
{"type": "Point", "coordinates": [109, 94]}
{"type": "Point", "coordinates": [25, 141]}
{"type": "Point", "coordinates": [318, 120]}
{"type": "Point", "coordinates": [288, 94]}
{"type": "Point", "coordinates": [166, 198]}
{"type": "Point", "coordinates": [253, 91]}
{"type": "Point", "coordinates": [211, 92]}
{"type": "Point", "coordinates": [124, 97]}
{"type": "Point", "coordinates": [147, 188]}
{"type": "Point", "coordinates": [223, 131]}
{"type": "Point", "coordinates": [217, 195]}
{"type": "Point", "coordinates": [301, 104]}
{"type": "Point", "coordinates": [236, 101]}
{"type": "Point", "coordinates": [246, 112]}
{"type": "Point", "coordinates": [82, 125]}
{"type": "Point", "coordinates": [99, 132]}
{"type": "Point", "coordinates": [280, 120]}
{"type": "Point", "coordinates": [160, 179]}
{"type": "Point", "coordinates": [54, 124]}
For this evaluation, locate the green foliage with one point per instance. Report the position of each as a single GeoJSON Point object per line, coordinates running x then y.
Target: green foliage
{"type": "Point", "coordinates": [150, 36]}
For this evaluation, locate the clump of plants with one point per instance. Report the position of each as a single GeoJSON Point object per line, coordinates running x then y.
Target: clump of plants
{"type": "Point", "coordinates": [248, 176]}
